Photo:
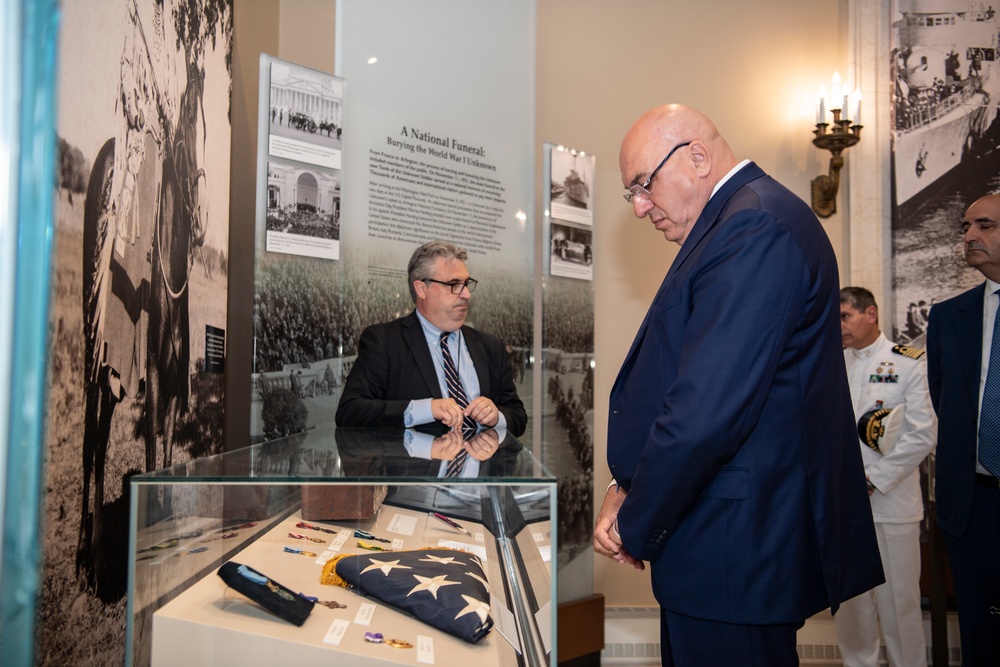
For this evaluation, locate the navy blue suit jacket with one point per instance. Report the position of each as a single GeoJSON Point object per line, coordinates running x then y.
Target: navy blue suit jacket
{"type": "Point", "coordinates": [731, 426]}
{"type": "Point", "coordinates": [394, 366]}
{"type": "Point", "coordinates": [954, 360]}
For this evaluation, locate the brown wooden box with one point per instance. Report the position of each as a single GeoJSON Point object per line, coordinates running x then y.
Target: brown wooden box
{"type": "Point", "coordinates": [330, 502]}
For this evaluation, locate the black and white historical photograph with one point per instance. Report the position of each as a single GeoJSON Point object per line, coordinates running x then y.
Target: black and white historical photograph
{"type": "Point", "coordinates": [568, 409]}
{"type": "Point", "coordinates": [946, 130]}
{"type": "Point", "coordinates": [570, 185]}
{"type": "Point", "coordinates": [139, 284]}
{"type": "Point", "coordinates": [306, 112]}
{"type": "Point", "coordinates": [303, 209]}
{"type": "Point", "coordinates": [571, 252]}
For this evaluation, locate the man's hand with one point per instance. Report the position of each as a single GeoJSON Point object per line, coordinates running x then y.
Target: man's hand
{"type": "Point", "coordinates": [607, 541]}
{"type": "Point", "coordinates": [446, 446]}
{"type": "Point", "coordinates": [484, 411]}
{"type": "Point", "coordinates": [483, 444]}
{"type": "Point", "coordinates": [448, 412]}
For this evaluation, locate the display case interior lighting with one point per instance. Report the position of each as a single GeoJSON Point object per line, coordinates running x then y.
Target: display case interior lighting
{"type": "Point", "coordinates": [372, 60]}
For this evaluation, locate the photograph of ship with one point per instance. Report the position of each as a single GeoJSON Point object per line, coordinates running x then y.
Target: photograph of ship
{"type": "Point", "coordinates": [569, 185]}
{"type": "Point", "coordinates": [945, 138]}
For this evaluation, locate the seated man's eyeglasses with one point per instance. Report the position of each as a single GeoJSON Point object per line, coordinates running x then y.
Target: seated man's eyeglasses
{"type": "Point", "coordinates": [456, 287]}
{"type": "Point", "coordinates": [642, 191]}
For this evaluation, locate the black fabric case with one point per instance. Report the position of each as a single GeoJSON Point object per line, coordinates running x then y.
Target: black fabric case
{"type": "Point", "coordinates": [295, 611]}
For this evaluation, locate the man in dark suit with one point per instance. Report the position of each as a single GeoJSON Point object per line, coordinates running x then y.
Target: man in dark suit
{"type": "Point", "coordinates": [399, 377]}
{"type": "Point", "coordinates": [963, 369]}
{"type": "Point", "coordinates": [731, 435]}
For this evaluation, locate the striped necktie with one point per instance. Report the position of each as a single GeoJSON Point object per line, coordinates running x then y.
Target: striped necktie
{"type": "Point", "coordinates": [989, 412]}
{"type": "Point", "coordinates": [455, 389]}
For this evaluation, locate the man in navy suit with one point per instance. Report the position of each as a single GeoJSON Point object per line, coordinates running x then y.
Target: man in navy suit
{"type": "Point", "coordinates": [961, 344]}
{"type": "Point", "coordinates": [731, 435]}
{"type": "Point", "coordinates": [399, 379]}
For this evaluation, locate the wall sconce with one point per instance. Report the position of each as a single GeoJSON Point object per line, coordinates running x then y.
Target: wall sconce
{"type": "Point", "coordinates": [842, 135]}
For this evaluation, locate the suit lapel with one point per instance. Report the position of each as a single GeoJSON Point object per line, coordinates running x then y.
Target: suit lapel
{"type": "Point", "coordinates": [413, 334]}
{"type": "Point", "coordinates": [479, 359]}
{"type": "Point", "coordinates": [970, 319]}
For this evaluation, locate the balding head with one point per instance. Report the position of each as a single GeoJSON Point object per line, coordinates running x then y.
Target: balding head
{"type": "Point", "coordinates": [683, 185]}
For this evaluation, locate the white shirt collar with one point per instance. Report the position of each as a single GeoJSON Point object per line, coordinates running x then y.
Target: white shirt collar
{"type": "Point", "coordinates": [991, 287]}
{"type": "Point", "coordinates": [868, 351]}
{"type": "Point", "coordinates": [732, 172]}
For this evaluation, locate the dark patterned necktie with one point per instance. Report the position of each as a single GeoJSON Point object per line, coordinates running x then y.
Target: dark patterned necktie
{"type": "Point", "coordinates": [989, 412]}
{"type": "Point", "coordinates": [455, 389]}
{"type": "Point", "coordinates": [457, 464]}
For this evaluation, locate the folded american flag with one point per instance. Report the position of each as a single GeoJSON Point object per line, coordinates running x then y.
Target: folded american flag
{"type": "Point", "coordinates": [445, 588]}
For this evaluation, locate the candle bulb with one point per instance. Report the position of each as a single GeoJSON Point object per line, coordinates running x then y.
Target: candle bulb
{"type": "Point", "coordinates": [835, 87]}
{"type": "Point", "coordinates": [847, 96]}
{"type": "Point", "coordinates": [821, 107]}
{"type": "Point", "coordinates": [857, 106]}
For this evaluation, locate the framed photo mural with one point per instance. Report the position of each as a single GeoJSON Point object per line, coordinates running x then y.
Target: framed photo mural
{"type": "Point", "coordinates": [945, 133]}
{"type": "Point", "coordinates": [299, 305]}
{"type": "Point", "coordinates": [567, 402]}
{"type": "Point", "coordinates": [140, 283]}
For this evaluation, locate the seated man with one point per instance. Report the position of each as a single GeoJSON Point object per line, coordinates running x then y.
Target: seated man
{"type": "Point", "coordinates": [427, 367]}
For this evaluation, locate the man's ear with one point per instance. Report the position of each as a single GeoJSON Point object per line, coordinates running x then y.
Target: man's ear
{"type": "Point", "coordinates": [420, 289]}
{"type": "Point", "coordinates": [700, 158]}
{"type": "Point", "coordinates": [872, 313]}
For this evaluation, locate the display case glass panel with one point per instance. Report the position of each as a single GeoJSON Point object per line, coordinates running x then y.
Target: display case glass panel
{"type": "Point", "coordinates": [285, 516]}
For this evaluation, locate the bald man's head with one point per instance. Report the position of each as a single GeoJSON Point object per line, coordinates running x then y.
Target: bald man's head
{"type": "Point", "coordinates": [671, 159]}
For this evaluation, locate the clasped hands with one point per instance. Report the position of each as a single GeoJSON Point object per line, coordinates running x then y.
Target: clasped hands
{"type": "Point", "coordinates": [481, 446]}
{"type": "Point", "coordinates": [451, 414]}
{"type": "Point", "coordinates": [607, 539]}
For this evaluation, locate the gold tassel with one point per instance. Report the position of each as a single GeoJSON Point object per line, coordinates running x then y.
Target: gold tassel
{"type": "Point", "coordinates": [329, 576]}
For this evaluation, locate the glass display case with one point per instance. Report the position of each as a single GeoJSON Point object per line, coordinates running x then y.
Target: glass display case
{"type": "Point", "coordinates": [246, 557]}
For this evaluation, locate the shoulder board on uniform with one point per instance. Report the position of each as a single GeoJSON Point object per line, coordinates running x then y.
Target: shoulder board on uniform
{"type": "Point", "coordinates": [907, 351]}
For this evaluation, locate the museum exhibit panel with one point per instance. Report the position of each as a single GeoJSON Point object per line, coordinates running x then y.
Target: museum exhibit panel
{"type": "Point", "coordinates": [281, 553]}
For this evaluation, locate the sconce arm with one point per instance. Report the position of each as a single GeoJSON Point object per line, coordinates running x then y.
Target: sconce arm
{"type": "Point", "coordinates": [825, 187]}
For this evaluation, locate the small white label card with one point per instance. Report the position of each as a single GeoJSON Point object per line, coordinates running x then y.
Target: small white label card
{"type": "Point", "coordinates": [402, 525]}
{"type": "Point", "coordinates": [397, 544]}
{"type": "Point", "coordinates": [325, 556]}
{"type": "Point", "coordinates": [425, 649]}
{"type": "Point", "coordinates": [365, 614]}
{"type": "Point", "coordinates": [473, 548]}
{"type": "Point", "coordinates": [336, 632]}
{"type": "Point", "coordinates": [338, 542]}
{"type": "Point", "coordinates": [505, 622]}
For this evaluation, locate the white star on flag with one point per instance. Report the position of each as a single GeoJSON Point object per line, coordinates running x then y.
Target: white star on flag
{"type": "Point", "coordinates": [431, 584]}
{"type": "Point", "coordinates": [474, 606]}
{"type": "Point", "coordinates": [480, 579]}
{"type": "Point", "coordinates": [444, 560]}
{"type": "Point", "coordinates": [385, 565]}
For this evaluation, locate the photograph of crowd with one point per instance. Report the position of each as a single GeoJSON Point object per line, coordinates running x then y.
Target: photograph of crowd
{"type": "Point", "coordinates": [567, 419]}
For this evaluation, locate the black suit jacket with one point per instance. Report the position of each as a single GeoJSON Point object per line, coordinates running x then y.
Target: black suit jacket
{"type": "Point", "coordinates": [394, 366]}
{"type": "Point", "coordinates": [954, 358]}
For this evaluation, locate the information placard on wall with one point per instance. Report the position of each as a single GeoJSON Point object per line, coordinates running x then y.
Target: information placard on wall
{"type": "Point", "coordinates": [302, 119]}
{"type": "Point", "coordinates": [441, 147]}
